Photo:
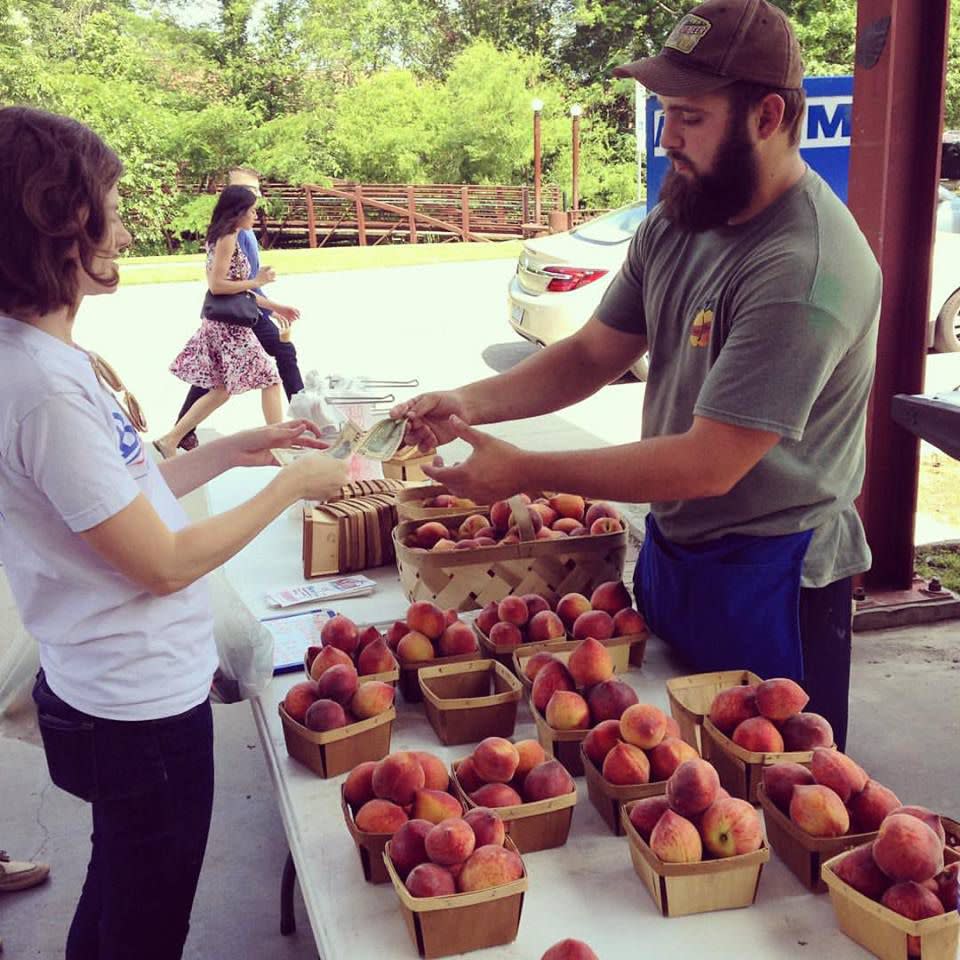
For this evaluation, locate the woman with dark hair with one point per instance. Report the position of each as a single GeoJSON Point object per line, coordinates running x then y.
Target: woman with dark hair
{"type": "Point", "coordinates": [224, 358]}
{"type": "Point", "coordinates": [105, 569]}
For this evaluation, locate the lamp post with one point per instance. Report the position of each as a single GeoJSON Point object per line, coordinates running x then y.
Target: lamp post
{"type": "Point", "coordinates": [537, 105]}
{"type": "Point", "coordinates": [575, 112]}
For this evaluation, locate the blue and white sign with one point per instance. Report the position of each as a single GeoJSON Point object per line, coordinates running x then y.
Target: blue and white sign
{"type": "Point", "coordinates": [824, 144]}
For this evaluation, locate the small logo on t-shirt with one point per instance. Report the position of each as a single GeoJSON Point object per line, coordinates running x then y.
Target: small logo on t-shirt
{"type": "Point", "coordinates": [128, 441]}
{"type": "Point", "coordinates": [700, 328]}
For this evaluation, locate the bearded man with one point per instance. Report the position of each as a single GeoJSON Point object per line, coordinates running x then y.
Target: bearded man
{"type": "Point", "coordinates": [758, 297]}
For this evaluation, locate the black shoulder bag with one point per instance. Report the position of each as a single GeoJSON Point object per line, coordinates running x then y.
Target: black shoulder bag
{"type": "Point", "coordinates": [239, 309]}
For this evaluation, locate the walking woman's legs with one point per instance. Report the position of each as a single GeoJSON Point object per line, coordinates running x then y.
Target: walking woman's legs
{"type": "Point", "coordinates": [271, 399]}
{"type": "Point", "coordinates": [167, 444]}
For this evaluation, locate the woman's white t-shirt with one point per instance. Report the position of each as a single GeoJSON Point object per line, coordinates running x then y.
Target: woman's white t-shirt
{"type": "Point", "coordinates": [69, 459]}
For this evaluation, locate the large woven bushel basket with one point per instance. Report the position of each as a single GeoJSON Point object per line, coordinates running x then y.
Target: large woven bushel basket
{"type": "Point", "coordinates": [468, 579]}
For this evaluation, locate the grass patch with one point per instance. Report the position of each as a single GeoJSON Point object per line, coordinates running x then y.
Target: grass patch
{"type": "Point", "coordinates": [939, 496]}
{"type": "Point", "coordinates": [942, 562]}
{"type": "Point", "coordinates": [181, 269]}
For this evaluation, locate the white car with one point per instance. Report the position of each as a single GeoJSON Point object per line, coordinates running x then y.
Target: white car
{"type": "Point", "coordinates": [561, 278]}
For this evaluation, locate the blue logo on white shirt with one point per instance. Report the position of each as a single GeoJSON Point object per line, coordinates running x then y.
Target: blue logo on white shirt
{"type": "Point", "coordinates": [128, 440]}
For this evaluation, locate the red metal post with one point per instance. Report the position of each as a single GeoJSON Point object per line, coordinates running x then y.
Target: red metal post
{"type": "Point", "coordinates": [536, 165]}
{"type": "Point", "coordinates": [361, 218]}
{"type": "Point", "coordinates": [311, 219]}
{"type": "Point", "coordinates": [894, 166]}
{"type": "Point", "coordinates": [465, 212]}
{"type": "Point", "coordinates": [575, 179]}
{"type": "Point", "coordinates": [412, 213]}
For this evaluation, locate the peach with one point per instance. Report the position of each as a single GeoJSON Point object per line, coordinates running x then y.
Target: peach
{"type": "Point", "coordinates": [547, 514]}
{"type": "Point", "coordinates": [643, 725]}
{"type": "Point", "coordinates": [594, 623]}
{"type": "Point", "coordinates": [367, 636]}
{"type": "Point", "coordinates": [569, 949]}
{"type": "Point", "coordinates": [545, 625]}
{"type": "Point", "coordinates": [380, 816]}
{"type": "Point", "coordinates": [431, 880]}
{"type": "Point", "coordinates": [870, 806]}
{"type": "Point", "coordinates": [549, 679]}
{"type": "Point", "coordinates": [566, 525]}
{"type": "Point", "coordinates": [340, 632]}
{"type": "Point", "coordinates": [931, 819]}
{"type": "Point", "coordinates": [451, 615]}
{"type": "Point", "coordinates": [501, 516]}
{"type": "Point", "coordinates": [675, 839]}
{"type": "Point", "coordinates": [467, 775]}
{"type": "Point", "coordinates": [569, 506]}
{"type": "Point", "coordinates": [609, 700]}
{"type": "Point", "coordinates": [435, 806]}
{"type": "Point", "coordinates": [612, 597]}
{"type": "Point", "coordinates": [692, 787]}
{"type": "Point", "coordinates": [513, 610]}
{"type": "Point", "coordinates": [310, 656]}
{"type": "Point", "coordinates": [468, 529]}
{"type": "Point", "coordinates": [836, 770]}
{"type": "Point", "coordinates": [804, 731]}
{"type": "Point", "coordinates": [505, 635]}
{"type": "Point", "coordinates": [407, 848]}
{"type": "Point", "coordinates": [487, 827]}
{"type": "Point", "coordinates": [445, 500]}
{"type": "Point", "coordinates": [358, 787]}
{"type": "Point", "coordinates": [396, 633]}
{"type": "Point", "coordinates": [914, 902]}
{"type": "Point", "coordinates": [450, 841]}
{"type": "Point", "coordinates": [324, 715]}
{"type": "Point", "coordinates": [456, 640]}
{"type": "Point", "coordinates": [427, 534]}
{"type": "Point", "coordinates": [580, 531]}
{"type": "Point", "coordinates": [601, 740]}
{"type": "Point", "coordinates": [371, 699]}
{"type": "Point", "coordinates": [546, 780]}
{"type": "Point", "coordinates": [673, 728]}
{"type": "Point", "coordinates": [487, 617]}
{"type": "Point", "coordinates": [667, 755]}
{"type": "Point", "coordinates": [758, 735]}
{"type": "Point", "coordinates": [605, 525]}
{"type": "Point", "coordinates": [435, 776]}
{"type": "Point", "coordinates": [629, 623]}
{"type": "Point", "coordinates": [533, 664]}
{"type": "Point", "coordinates": [299, 698]}
{"type": "Point", "coordinates": [376, 658]}
{"type": "Point", "coordinates": [415, 647]}
{"type": "Point", "coordinates": [589, 663]}
{"type": "Point", "coordinates": [570, 606]}
{"type": "Point", "coordinates": [398, 777]}
{"type": "Point", "coordinates": [496, 795]}
{"type": "Point", "coordinates": [948, 886]}
{"type": "Point", "coordinates": [731, 827]}
{"type": "Point", "coordinates": [818, 810]}
{"type": "Point", "coordinates": [907, 849]}
{"type": "Point", "coordinates": [426, 618]}
{"type": "Point", "coordinates": [567, 710]}
{"type": "Point", "coordinates": [489, 866]}
{"type": "Point", "coordinates": [328, 657]}
{"type": "Point", "coordinates": [645, 813]}
{"type": "Point", "coordinates": [779, 779]}
{"type": "Point", "coordinates": [780, 698]}
{"type": "Point", "coordinates": [338, 683]}
{"type": "Point", "coordinates": [535, 604]}
{"type": "Point", "coordinates": [496, 760]}
{"type": "Point", "coordinates": [444, 544]}
{"type": "Point", "coordinates": [531, 755]}
{"type": "Point", "coordinates": [732, 706]}
{"type": "Point", "coordinates": [625, 765]}
{"type": "Point", "coordinates": [860, 871]}
{"type": "Point", "coordinates": [600, 509]}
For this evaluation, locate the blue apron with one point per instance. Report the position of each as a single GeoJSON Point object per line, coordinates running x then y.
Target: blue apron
{"type": "Point", "coordinates": [728, 604]}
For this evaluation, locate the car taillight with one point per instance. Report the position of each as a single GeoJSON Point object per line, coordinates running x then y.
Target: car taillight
{"type": "Point", "coordinates": [571, 278]}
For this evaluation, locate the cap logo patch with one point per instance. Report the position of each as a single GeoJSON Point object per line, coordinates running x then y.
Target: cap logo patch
{"type": "Point", "coordinates": [688, 33]}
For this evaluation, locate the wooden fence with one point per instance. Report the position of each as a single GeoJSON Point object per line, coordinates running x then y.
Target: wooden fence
{"type": "Point", "coordinates": [373, 213]}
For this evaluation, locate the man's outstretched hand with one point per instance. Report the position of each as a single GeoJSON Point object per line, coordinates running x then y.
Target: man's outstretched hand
{"type": "Point", "coordinates": [428, 418]}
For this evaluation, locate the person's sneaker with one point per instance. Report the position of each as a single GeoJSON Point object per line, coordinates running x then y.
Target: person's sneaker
{"type": "Point", "coordinates": [20, 874]}
{"type": "Point", "coordinates": [189, 442]}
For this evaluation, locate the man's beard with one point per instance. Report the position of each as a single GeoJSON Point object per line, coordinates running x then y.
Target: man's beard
{"type": "Point", "coordinates": [706, 201]}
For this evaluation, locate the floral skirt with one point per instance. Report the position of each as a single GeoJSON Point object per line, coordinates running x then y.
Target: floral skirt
{"type": "Point", "coordinates": [225, 355]}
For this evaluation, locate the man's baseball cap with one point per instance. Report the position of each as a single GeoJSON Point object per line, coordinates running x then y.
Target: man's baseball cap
{"type": "Point", "coordinates": [718, 43]}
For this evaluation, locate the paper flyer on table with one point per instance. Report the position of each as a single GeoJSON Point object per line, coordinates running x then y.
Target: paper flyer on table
{"type": "Point", "coordinates": [339, 588]}
{"type": "Point", "coordinates": [292, 634]}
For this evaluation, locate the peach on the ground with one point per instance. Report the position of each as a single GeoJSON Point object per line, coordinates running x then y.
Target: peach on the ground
{"type": "Point", "coordinates": [569, 949]}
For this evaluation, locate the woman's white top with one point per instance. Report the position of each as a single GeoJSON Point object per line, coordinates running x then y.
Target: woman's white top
{"type": "Point", "coordinates": [69, 459]}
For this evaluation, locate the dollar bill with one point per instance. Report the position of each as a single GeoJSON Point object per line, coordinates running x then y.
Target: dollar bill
{"type": "Point", "coordinates": [383, 439]}
{"type": "Point", "coordinates": [348, 442]}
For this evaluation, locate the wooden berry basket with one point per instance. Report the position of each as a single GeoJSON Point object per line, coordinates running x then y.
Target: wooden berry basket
{"type": "Point", "coordinates": [562, 745]}
{"type": "Point", "coordinates": [333, 752]}
{"type": "Point", "coordinates": [370, 846]}
{"type": "Point", "coordinates": [801, 852]}
{"type": "Point", "coordinates": [444, 926]}
{"type": "Point", "coordinates": [410, 504]}
{"type": "Point", "coordinates": [883, 932]}
{"type": "Point", "coordinates": [468, 579]}
{"type": "Point", "coordinates": [679, 889]}
{"type": "Point", "coordinates": [466, 702]}
{"type": "Point", "coordinates": [609, 798]}
{"type": "Point", "coordinates": [741, 770]}
{"type": "Point", "coordinates": [538, 825]}
{"type": "Point", "coordinates": [618, 647]}
{"type": "Point", "coordinates": [691, 696]}
{"type": "Point", "coordinates": [410, 672]}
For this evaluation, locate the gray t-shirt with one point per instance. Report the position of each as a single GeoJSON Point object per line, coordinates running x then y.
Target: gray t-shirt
{"type": "Point", "coordinates": [772, 325]}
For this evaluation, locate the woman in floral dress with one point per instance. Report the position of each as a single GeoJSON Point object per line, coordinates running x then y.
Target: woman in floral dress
{"type": "Point", "coordinates": [225, 358]}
